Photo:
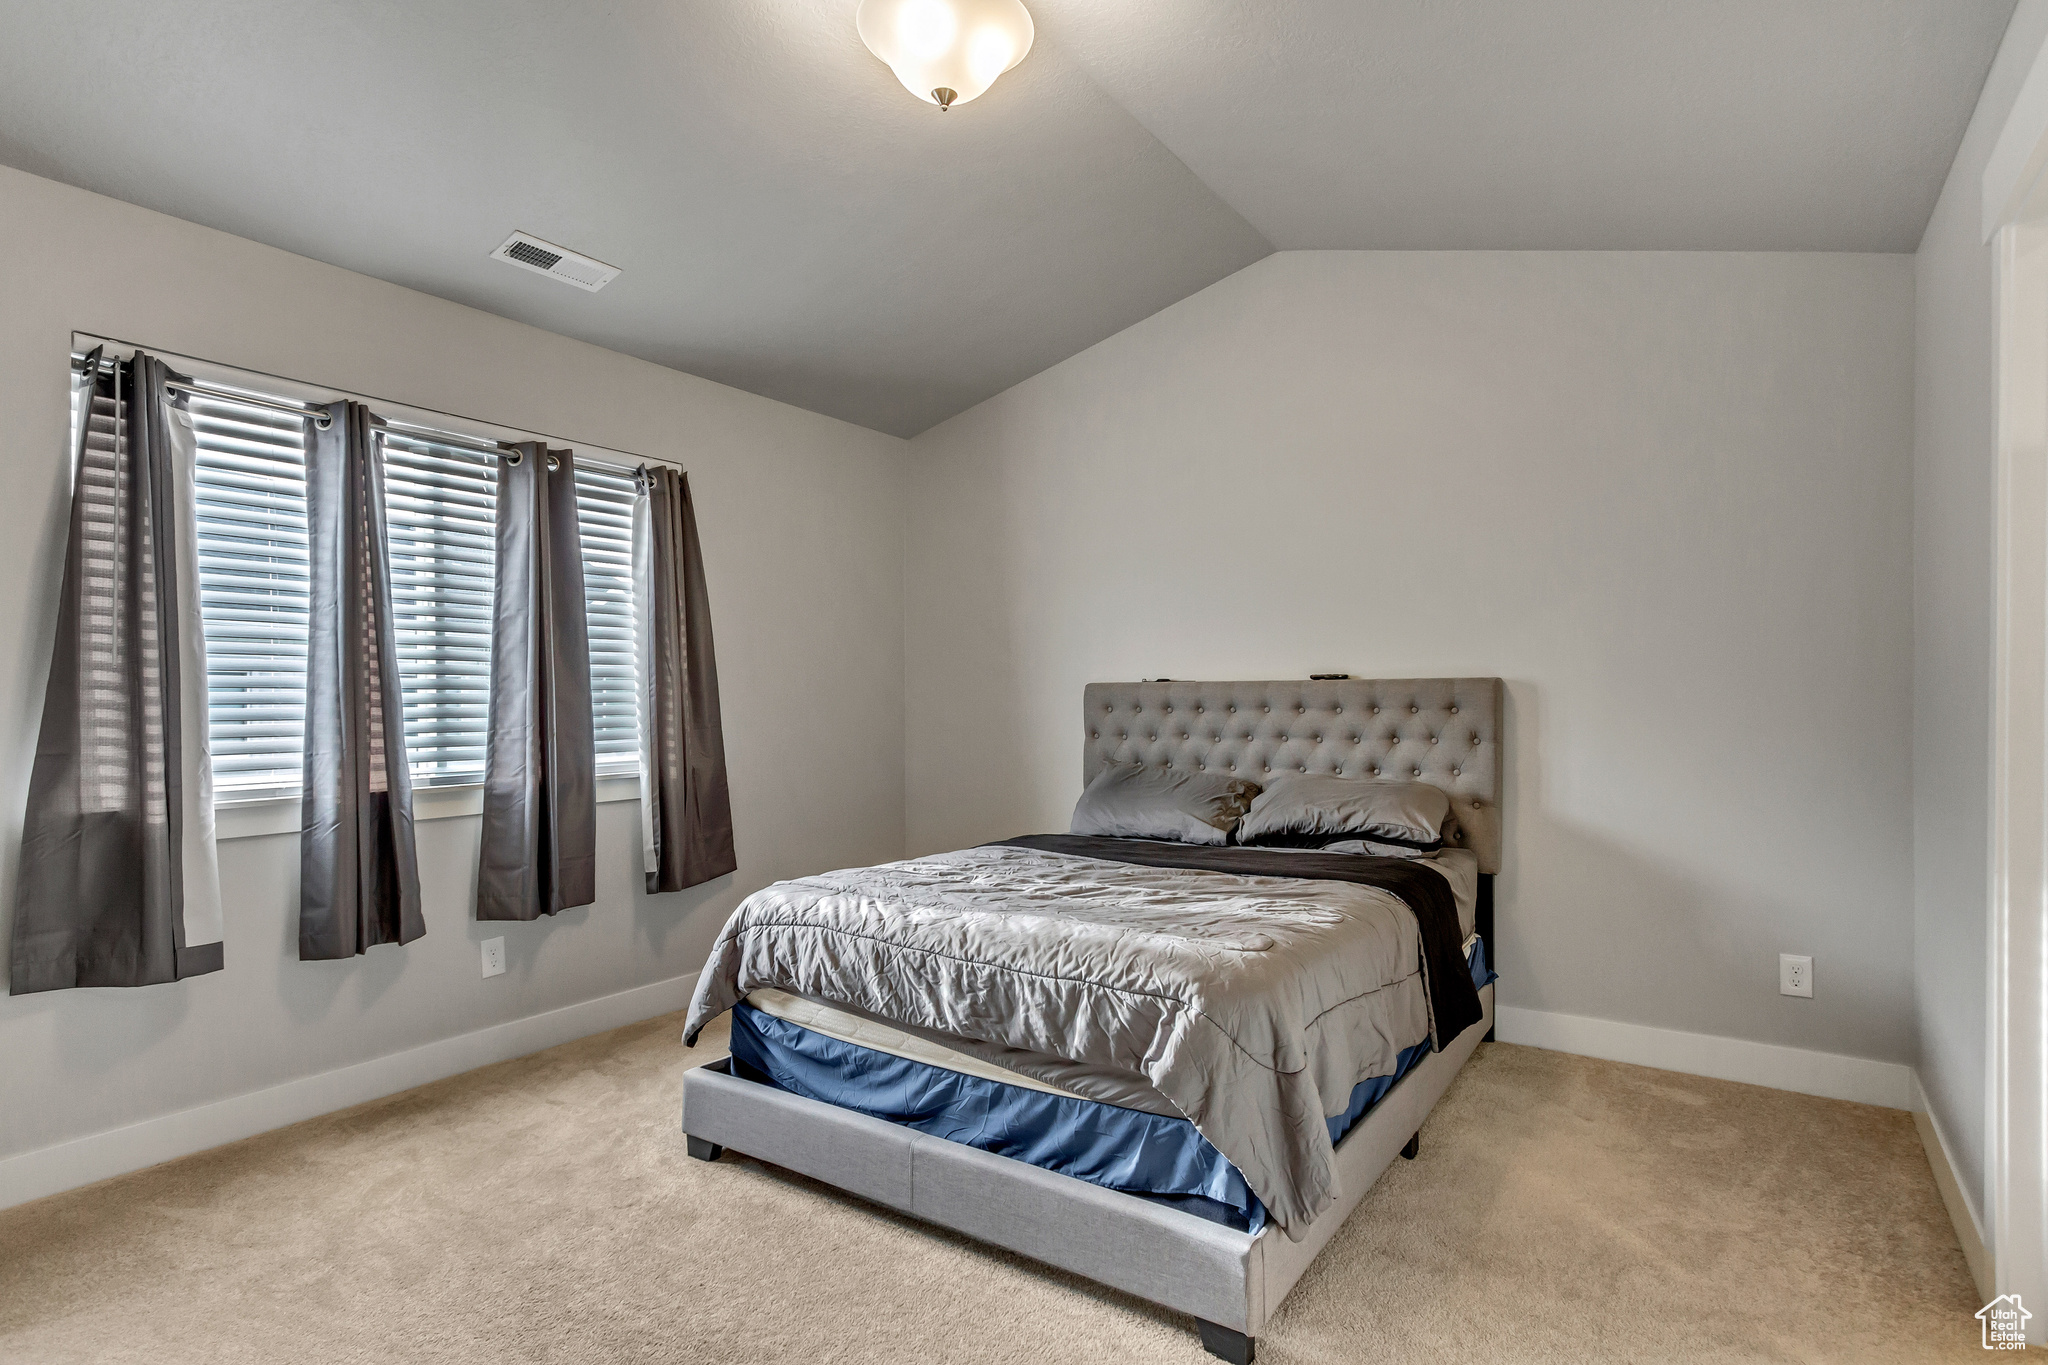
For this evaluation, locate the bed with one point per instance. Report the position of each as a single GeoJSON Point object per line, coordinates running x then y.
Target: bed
{"type": "Point", "coordinates": [1172, 1070]}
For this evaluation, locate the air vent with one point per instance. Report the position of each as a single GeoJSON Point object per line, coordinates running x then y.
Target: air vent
{"type": "Point", "coordinates": [556, 262]}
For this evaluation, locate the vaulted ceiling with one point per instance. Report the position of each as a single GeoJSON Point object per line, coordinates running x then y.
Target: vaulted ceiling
{"type": "Point", "coordinates": [791, 222]}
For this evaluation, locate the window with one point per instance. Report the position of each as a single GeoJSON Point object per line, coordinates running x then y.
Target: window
{"type": "Point", "coordinates": [604, 517]}
{"type": "Point", "coordinates": [441, 504]}
{"type": "Point", "coordinates": [440, 507]}
{"type": "Point", "coordinates": [252, 586]}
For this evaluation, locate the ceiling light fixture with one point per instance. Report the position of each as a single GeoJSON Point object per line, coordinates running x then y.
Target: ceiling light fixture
{"type": "Point", "coordinates": [946, 51]}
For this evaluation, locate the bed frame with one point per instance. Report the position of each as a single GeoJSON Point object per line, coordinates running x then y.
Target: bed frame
{"type": "Point", "coordinates": [1445, 731]}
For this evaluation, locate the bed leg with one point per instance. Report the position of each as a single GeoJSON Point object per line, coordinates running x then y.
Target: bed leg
{"type": "Point", "coordinates": [1235, 1347]}
{"type": "Point", "coordinates": [1414, 1146]}
{"type": "Point", "coordinates": [702, 1150]}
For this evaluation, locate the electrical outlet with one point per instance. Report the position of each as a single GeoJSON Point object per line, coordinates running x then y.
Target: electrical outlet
{"type": "Point", "coordinates": [1795, 975]}
{"type": "Point", "coordinates": [494, 957]}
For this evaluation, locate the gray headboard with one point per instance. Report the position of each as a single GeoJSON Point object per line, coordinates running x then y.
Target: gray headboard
{"type": "Point", "coordinates": [1443, 731]}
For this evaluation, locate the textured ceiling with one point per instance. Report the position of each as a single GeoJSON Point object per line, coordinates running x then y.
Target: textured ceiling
{"type": "Point", "coordinates": [791, 222]}
{"type": "Point", "coordinates": [788, 219]}
{"type": "Point", "coordinates": [1721, 125]}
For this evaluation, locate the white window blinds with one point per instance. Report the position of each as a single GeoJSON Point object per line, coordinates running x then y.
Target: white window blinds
{"type": "Point", "coordinates": [604, 516]}
{"type": "Point", "coordinates": [252, 585]}
{"type": "Point", "coordinates": [441, 503]}
{"type": "Point", "coordinates": [440, 508]}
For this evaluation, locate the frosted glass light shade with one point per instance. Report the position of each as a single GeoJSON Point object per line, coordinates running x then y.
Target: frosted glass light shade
{"type": "Point", "coordinates": [946, 52]}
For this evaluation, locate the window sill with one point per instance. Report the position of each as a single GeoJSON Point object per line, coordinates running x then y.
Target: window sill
{"type": "Point", "coordinates": [281, 814]}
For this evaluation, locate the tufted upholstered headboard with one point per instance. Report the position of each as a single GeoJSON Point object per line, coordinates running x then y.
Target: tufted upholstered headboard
{"type": "Point", "coordinates": [1443, 731]}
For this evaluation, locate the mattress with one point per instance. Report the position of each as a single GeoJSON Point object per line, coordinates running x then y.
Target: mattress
{"type": "Point", "coordinates": [1041, 1071]}
{"type": "Point", "coordinates": [866, 1065]}
{"type": "Point", "coordinates": [877, 1035]}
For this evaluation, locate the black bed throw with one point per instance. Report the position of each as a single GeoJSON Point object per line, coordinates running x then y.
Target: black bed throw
{"type": "Point", "coordinates": [1453, 1000]}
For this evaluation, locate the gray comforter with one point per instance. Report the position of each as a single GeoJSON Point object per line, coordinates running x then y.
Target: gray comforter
{"type": "Point", "coordinates": [1255, 1004]}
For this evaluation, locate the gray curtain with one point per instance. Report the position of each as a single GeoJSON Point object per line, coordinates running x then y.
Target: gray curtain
{"type": "Point", "coordinates": [359, 880]}
{"type": "Point", "coordinates": [685, 804]}
{"type": "Point", "coordinates": [539, 843]}
{"type": "Point", "coordinates": [118, 884]}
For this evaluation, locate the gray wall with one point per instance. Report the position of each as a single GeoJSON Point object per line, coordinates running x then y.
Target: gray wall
{"type": "Point", "coordinates": [801, 520]}
{"type": "Point", "coordinates": [1667, 496]}
{"type": "Point", "coordinates": [1953, 460]}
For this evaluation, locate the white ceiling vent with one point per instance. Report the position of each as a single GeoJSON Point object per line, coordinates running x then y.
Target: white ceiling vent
{"type": "Point", "coordinates": [558, 262]}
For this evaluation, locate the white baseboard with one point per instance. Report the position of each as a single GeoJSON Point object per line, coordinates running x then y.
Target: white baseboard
{"type": "Point", "coordinates": [1962, 1209]}
{"type": "Point", "coordinates": [1827, 1074]}
{"type": "Point", "coordinates": [81, 1161]}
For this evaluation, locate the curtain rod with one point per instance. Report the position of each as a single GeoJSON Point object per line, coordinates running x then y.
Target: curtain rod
{"type": "Point", "coordinates": [371, 399]}
{"type": "Point", "coordinates": [476, 445]}
{"type": "Point", "coordinates": [320, 419]}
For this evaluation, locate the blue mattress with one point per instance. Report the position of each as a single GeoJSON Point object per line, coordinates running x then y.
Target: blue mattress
{"type": "Point", "coordinates": [1119, 1149]}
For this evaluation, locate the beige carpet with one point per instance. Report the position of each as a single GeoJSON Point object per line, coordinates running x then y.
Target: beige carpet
{"type": "Point", "coordinates": [543, 1210]}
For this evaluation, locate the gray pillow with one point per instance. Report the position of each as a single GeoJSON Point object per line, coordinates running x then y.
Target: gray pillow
{"type": "Point", "coordinates": [1373, 848]}
{"type": "Point", "coordinates": [1316, 809]}
{"type": "Point", "coordinates": [1127, 801]}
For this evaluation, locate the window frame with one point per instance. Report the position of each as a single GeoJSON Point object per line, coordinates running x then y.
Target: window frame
{"type": "Point", "coordinates": [255, 812]}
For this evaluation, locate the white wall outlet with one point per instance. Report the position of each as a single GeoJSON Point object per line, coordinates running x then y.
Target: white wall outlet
{"type": "Point", "coordinates": [494, 957]}
{"type": "Point", "coordinates": [1795, 975]}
